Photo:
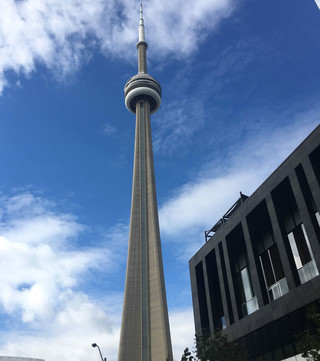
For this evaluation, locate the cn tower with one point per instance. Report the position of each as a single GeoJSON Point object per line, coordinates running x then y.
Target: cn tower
{"type": "Point", "coordinates": [145, 333]}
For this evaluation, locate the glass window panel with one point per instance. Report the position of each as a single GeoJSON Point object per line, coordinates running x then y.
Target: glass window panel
{"type": "Point", "coordinates": [267, 239]}
{"type": "Point", "coordinates": [260, 247]}
{"type": "Point", "coordinates": [318, 218]}
{"type": "Point", "coordinates": [276, 292]}
{"type": "Point", "coordinates": [294, 250]}
{"type": "Point", "coordinates": [288, 222]}
{"type": "Point", "coordinates": [296, 214]}
{"type": "Point", "coordinates": [307, 239]}
{"type": "Point", "coordinates": [250, 307]}
{"type": "Point", "coordinates": [302, 245]}
{"type": "Point", "coordinates": [223, 322]}
{"type": "Point", "coordinates": [242, 260]}
{"type": "Point", "coordinates": [244, 309]}
{"type": "Point", "coordinates": [314, 269]}
{"type": "Point", "coordinates": [302, 275]}
{"type": "Point", "coordinates": [270, 295]}
{"type": "Point", "coordinates": [236, 266]}
{"type": "Point", "coordinates": [254, 302]}
{"type": "Point", "coordinates": [284, 286]}
{"type": "Point", "coordinates": [308, 272]}
{"type": "Point", "coordinates": [267, 269]}
{"type": "Point", "coordinates": [276, 262]}
{"type": "Point", "coordinates": [246, 284]}
{"type": "Point", "coordinates": [240, 287]}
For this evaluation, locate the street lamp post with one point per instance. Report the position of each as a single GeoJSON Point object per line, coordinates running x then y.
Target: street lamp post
{"type": "Point", "coordinates": [95, 345]}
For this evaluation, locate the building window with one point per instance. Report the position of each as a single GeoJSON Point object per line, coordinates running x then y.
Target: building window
{"type": "Point", "coordinates": [314, 157]}
{"type": "Point", "coordinates": [275, 281]}
{"type": "Point", "coordinates": [302, 254]}
{"type": "Point", "coordinates": [223, 322]}
{"type": "Point", "coordinates": [226, 287]}
{"type": "Point", "coordinates": [203, 307]}
{"type": "Point", "coordinates": [249, 302]}
{"type": "Point", "coordinates": [309, 199]}
{"type": "Point", "coordinates": [240, 269]}
{"type": "Point", "coordinates": [269, 266]}
{"type": "Point", "coordinates": [215, 301]}
{"type": "Point", "coordinates": [301, 259]}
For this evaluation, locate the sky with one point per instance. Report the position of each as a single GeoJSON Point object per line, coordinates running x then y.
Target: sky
{"type": "Point", "coordinates": [241, 89]}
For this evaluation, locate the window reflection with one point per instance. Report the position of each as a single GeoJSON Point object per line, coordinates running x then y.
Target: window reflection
{"type": "Point", "coordinates": [240, 268]}
{"type": "Point", "coordinates": [250, 303]}
{"type": "Point", "coordinates": [318, 217]}
{"type": "Point", "coordinates": [272, 270]}
{"type": "Point", "coordinates": [246, 284]}
{"type": "Point", "coordinates": [302, 253]}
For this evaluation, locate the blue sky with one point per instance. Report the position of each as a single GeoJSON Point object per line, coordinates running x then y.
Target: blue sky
{"type": "Point", "coordinates": [241, 87]}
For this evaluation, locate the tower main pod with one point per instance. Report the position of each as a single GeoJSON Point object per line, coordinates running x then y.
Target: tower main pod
{"type": "Point", "coordinates": [145, 333]}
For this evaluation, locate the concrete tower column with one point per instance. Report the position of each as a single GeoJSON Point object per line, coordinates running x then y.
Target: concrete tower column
{"type": "Point", "coordinates": [145, 333]}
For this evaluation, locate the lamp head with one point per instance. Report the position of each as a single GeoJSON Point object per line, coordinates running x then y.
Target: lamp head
{"type": "Point", "coordinates": [94, 345]}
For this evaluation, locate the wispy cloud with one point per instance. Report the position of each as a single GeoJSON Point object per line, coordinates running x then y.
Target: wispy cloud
{"type": "Point", "coordinates": [62, 35]}
{"type": "Point", "coordinates": [198, 90]}
{"type": "Point", "coordinates": [177, 124]}
{"type": "Point", "coordinates": [198, 204]}
{"type": "Point", "coordinates": [109, 129]}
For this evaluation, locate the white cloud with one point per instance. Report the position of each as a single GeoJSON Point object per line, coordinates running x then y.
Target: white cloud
{"type": "Point", "coordinates": [45, 307]}
{"type": "Point", "coordinates": [180, 26]}
{"type": "Point", "coordinates": [182, 331]}
{"type": "Point", "coordinates": [199, 204]}
{"type": "Point", "coordinates": [42, 274]}
{"type": "Point", "coordinates": [70, 336]}
{"type": "Point", "coordinates": [63, 34]}
{"type": "Point", "coordinates": [31, 219]}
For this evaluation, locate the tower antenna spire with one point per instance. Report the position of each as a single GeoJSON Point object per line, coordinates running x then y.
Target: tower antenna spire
{"type": "Point", "coordinates": [142, 45]}
{"type": "Point", "coordinates": [141, 26]}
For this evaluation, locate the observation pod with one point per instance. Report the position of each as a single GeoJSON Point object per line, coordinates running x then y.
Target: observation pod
{"type": "Point", "coordinates": [142, 87]}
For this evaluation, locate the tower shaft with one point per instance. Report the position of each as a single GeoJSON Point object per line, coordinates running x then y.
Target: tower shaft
{"type": "Point", "coordinates": [145, 333]}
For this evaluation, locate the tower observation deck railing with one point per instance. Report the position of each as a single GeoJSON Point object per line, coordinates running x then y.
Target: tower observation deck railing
{"type": "Point", "coordinates": [231, 211]}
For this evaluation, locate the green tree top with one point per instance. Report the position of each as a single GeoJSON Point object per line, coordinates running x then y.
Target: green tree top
{"type": "Point", "coordinates": [218, 348]}
{"type": "Point", "coordinates": [308, 341]}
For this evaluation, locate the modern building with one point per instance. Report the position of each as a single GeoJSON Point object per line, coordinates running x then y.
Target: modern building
{"type": "Point", "coordinates": [259, 267]}
{"type": "Point", "coordinates": [145, 334]}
